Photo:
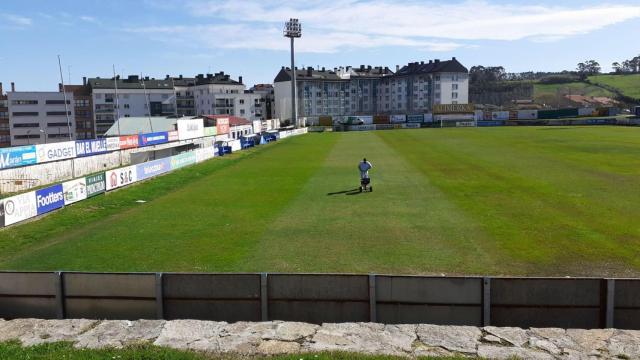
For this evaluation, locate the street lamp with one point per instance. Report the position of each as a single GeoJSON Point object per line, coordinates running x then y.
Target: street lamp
{"type": "Point", "coordinates": [45, 135]}
{"type": "Point", "coordinates": [28, 137]}
{"type": "Point", "coordinates": [292, 30]}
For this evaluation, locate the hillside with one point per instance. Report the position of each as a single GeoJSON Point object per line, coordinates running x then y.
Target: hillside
{"type": "Point", "coordinates": [628, 85]}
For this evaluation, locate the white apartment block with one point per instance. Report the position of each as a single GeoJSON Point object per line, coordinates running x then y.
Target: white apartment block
{"type": "Point", "coordinates": [218, 94]}
{"type": "Point", "coordinates": [412, 89]}
{"type": "Point", "coordinates": [40, 117]}
{"type": "Point", "coordinates": [136, 98]}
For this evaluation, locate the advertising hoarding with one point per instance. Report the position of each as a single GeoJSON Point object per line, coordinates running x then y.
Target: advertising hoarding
{"type": "Point", "coordinates": [153, 138]}
{"type": "Point", "coordinates": [113, 143]}
{"type": "Point", "coordinates": [55, 151]}
{"type": "Point", "coordinates": [173, 135]}
{"type": "Point", "coordinates": [222, 126]}
{"type": "Point", "coordinates": [91, 147]}
{"type": "Point", "coordinates": [96, 184]}
{"type": "Point", "coordinates": [190, 129]}
{"type": "Point", "coordinates": [205, 153]}
{"type": "Point", "coordinates": [210, 131]}
{"type": "Point", "coordinates": [20, 207]}
{"type": "Point", "coordinates": [453, 108]}
{"type": "Point", "coordinates": [120, 177]}
{"type": "Point", "coordinates": [417, 118]}
{"type": "Point", "coordinates": [184, 159]}
{"type": "Point", "coordinates": [49, 199]}
{"type": "Point", "coordinates": [152, 168]}
{"type": "Point", "coordinates": [396, 119]}
{"type": "Point", "coordinates": [74, 191]}
{"type": "Point", "coordinates": [17, 156]}
{"type": "Point", "coordinates": [128, 142]}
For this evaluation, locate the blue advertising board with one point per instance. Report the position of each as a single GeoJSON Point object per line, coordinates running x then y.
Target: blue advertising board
{"type": "Point", "coordinates": [153, 138]}
{"type": "Point", "coordinates": [491, 123]}
{"type": "Point", "coordinates": [91, 147]}
{"type": "Point", "coordinates": [153, 168]}
{"type": "Point", "coordinates": [49, 199]}
{"type": "Point", "coordinates": [18, 156]}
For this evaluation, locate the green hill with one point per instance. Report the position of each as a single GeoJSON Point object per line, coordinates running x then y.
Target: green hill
{"type": "Point", "coordinates": [628, 85]}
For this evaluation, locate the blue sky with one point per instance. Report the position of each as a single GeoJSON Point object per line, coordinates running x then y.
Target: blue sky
{"type": "Point", "coordinates": [158, 37]}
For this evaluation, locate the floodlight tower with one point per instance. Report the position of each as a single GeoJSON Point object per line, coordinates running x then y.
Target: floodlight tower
{"type": "Point", "coordinates": [292, 30]}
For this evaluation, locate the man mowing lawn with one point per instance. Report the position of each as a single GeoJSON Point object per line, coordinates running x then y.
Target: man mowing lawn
{"type": "Point", "coordinates": [364, 167]}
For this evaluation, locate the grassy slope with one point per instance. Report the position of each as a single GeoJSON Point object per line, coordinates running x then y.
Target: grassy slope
{"type": "Point", "coordinates": [57, 351]}
{"type": "Point", "coordinates": [535, 201]}
{"type": "Point", "coordinates": [575, 88]}
{"type": "Point", "coordinates": [629, 85]}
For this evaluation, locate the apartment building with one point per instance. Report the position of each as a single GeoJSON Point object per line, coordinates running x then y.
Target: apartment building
{"type": "Point", "coordinates": [5, 136]}
{"type": "Point", "coordinates": [83, 109]}
{"type": "Point", "coordinates": [137, 97]}
{"type": "Point", "coordinates": [367, 90]}
{"type": "Point", "coordinates": [40, 117]}
{"type": "Point", "coordinates": [266, 104]}
{"type": "Point", "coordinates": [416, 87]}
{"type": "Point", "coordinates": [218, 94]}
{"type": "Point", "coordinates": [185, 98]}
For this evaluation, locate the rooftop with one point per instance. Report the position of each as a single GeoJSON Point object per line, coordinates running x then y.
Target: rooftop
{"type": "Point", "coordinates": [233, 120]}
{"type": "Point", "coordinates": [131, 82]}
{"type": "Point", "coordinates": [218, 78]}
{"type": "Point", "coordinates": [142, 124]}
{"type": "Point", "coordinates": [432, 66]}
{"type": "Point", "coordinates": [306, 74]}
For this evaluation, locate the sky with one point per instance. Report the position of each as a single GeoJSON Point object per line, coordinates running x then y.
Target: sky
{"type": "Point", "coordinates": [244, 37]}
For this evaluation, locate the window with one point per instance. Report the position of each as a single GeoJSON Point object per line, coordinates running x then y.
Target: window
{"type": "Point", "coordinates": [24, 102]}
{"type": "Point", "coordinates": [5, 138]}
{"type": "Point", "coordinates": [127, 115]}
{"type": "Point", "coordinates": [437, 77]}
{"type": "Point", "coordinates": [4, 114]}
{"type": "Point", "coordinates": [454, 87]}
{"type": "Point", "coordinates": [454, 78]}
{"type": "Point", "coordinates": [241, 101]}
{"type": "Point", "coordinates": [58, 113]}
{"type": "Point", "coordinates": [26, 125]}
{"type": "Point", "coordinates": [54, 124]}
{"type": "Point", "coordinates": [25, 113]}
{"type": "Point", "coordinates": [454, 95]}
{"type": "Point", "coordinates": [56, 102]}
{"type": "Point", "coordinates": [241, 111]}
{"type": "Point", "coordinates": [126, 106]}
{"type": "Point", "coordinates": [17, 137]}
{"type": "Point", "coordinates": [81, 102]}
{"type": "Point", "coordinates": [4, 126]}
{"type": "Point", "coordinates": [58, 136]}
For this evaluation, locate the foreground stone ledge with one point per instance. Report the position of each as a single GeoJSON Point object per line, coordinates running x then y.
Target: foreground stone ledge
{"type": "Point", "coordinates": [279, 337]}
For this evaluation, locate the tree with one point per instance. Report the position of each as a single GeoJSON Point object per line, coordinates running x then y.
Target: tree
{"type": "Point", "coordinates": [617, 67]}
{"type": "Point", "coordinates": [589, 67]}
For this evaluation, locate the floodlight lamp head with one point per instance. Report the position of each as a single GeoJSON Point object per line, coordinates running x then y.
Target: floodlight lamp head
{"type": "Point", "coordinates": [293, 28]}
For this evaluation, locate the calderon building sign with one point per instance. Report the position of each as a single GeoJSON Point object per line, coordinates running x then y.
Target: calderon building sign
{"type": "Point", "coordinates": [453, 108]}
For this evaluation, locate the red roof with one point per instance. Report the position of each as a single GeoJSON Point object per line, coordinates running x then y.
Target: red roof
{"type": "Point", "coordinates": [233, 120]}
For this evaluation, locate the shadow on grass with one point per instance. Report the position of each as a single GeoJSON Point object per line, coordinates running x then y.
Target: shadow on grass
{"type": "Point", "coordinates": [345, 192]}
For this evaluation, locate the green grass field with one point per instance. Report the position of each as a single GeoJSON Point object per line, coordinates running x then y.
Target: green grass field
{"type": "Point", "coordinates": [501, 201]}
{"type": "Point", "coordinates": [56, 351]}
{"type": "Point", "coordinates": [629, 85]}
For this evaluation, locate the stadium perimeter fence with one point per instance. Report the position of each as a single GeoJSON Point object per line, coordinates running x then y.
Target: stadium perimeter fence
{"type": "Point", "coordinates": [318, 298]}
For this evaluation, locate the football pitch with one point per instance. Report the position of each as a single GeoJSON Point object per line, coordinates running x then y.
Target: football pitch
{"type": "Point", "coordinates": [543, 201]}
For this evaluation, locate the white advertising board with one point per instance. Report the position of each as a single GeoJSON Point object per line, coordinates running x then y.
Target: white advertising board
{"type": "Point", "coordinates": [205, 153]}
{"type": "Point", "coordinates": [396, 119]}
{"type": "Point", "coordinates": [55, 151]}
{"type": "Point", "coordinates": [113, 143]}
{"type": "Point", "coordinates": [74, 190]}
{"type": "Point", "coordinates": [121, 177]}
{"type": "Point", "coordinates": [190, 129]}
{"type": "Point", "coordinates": [20, 207]}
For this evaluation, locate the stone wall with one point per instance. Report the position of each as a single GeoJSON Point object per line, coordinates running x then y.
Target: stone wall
{"type": "Point", "coordinates": [277, 337]}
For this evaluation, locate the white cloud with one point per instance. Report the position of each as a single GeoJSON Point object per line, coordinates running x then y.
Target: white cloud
{"type": "Point", "coordinates": [356, 24]}
{"type": "Point", "coordinates": [17, 20]}
{"type": "Point", "coordinates": [89, 19]}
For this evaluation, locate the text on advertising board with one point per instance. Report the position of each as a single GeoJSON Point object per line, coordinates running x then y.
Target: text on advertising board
{"type": "Point", "coordinates": [128, 142]}
{"type": "Point", "coordinates": [153, 168]}
{"type": "Point", "coordinates": [173, 135]}
{"type": "Point", "coordinates": [20, 207]}
{"type": "Point", "coordinates": [121, 177]}
{"type": "Point", "coordinates": [453, 108]}
{"type": "Point", "coordinates": [17, 156]}
{"type": "Point", "coordinates": [95, 184]}
{"type": "Point", "coordinates": [91, 147]}
{"type": "Point", "coordinates": [56, 151]}
{"type": "Point", "coordinates": [153, 138]}
{"type": "Point", "coordinates": [74, 191]}
{"type": "Point", "coordinates": [49, 199]}
{"type": "Point", "coordinates": [113, 143]}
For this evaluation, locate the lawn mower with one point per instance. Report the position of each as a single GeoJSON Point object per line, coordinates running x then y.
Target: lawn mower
{"type": "Point", "coordinates": [364, 184]}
